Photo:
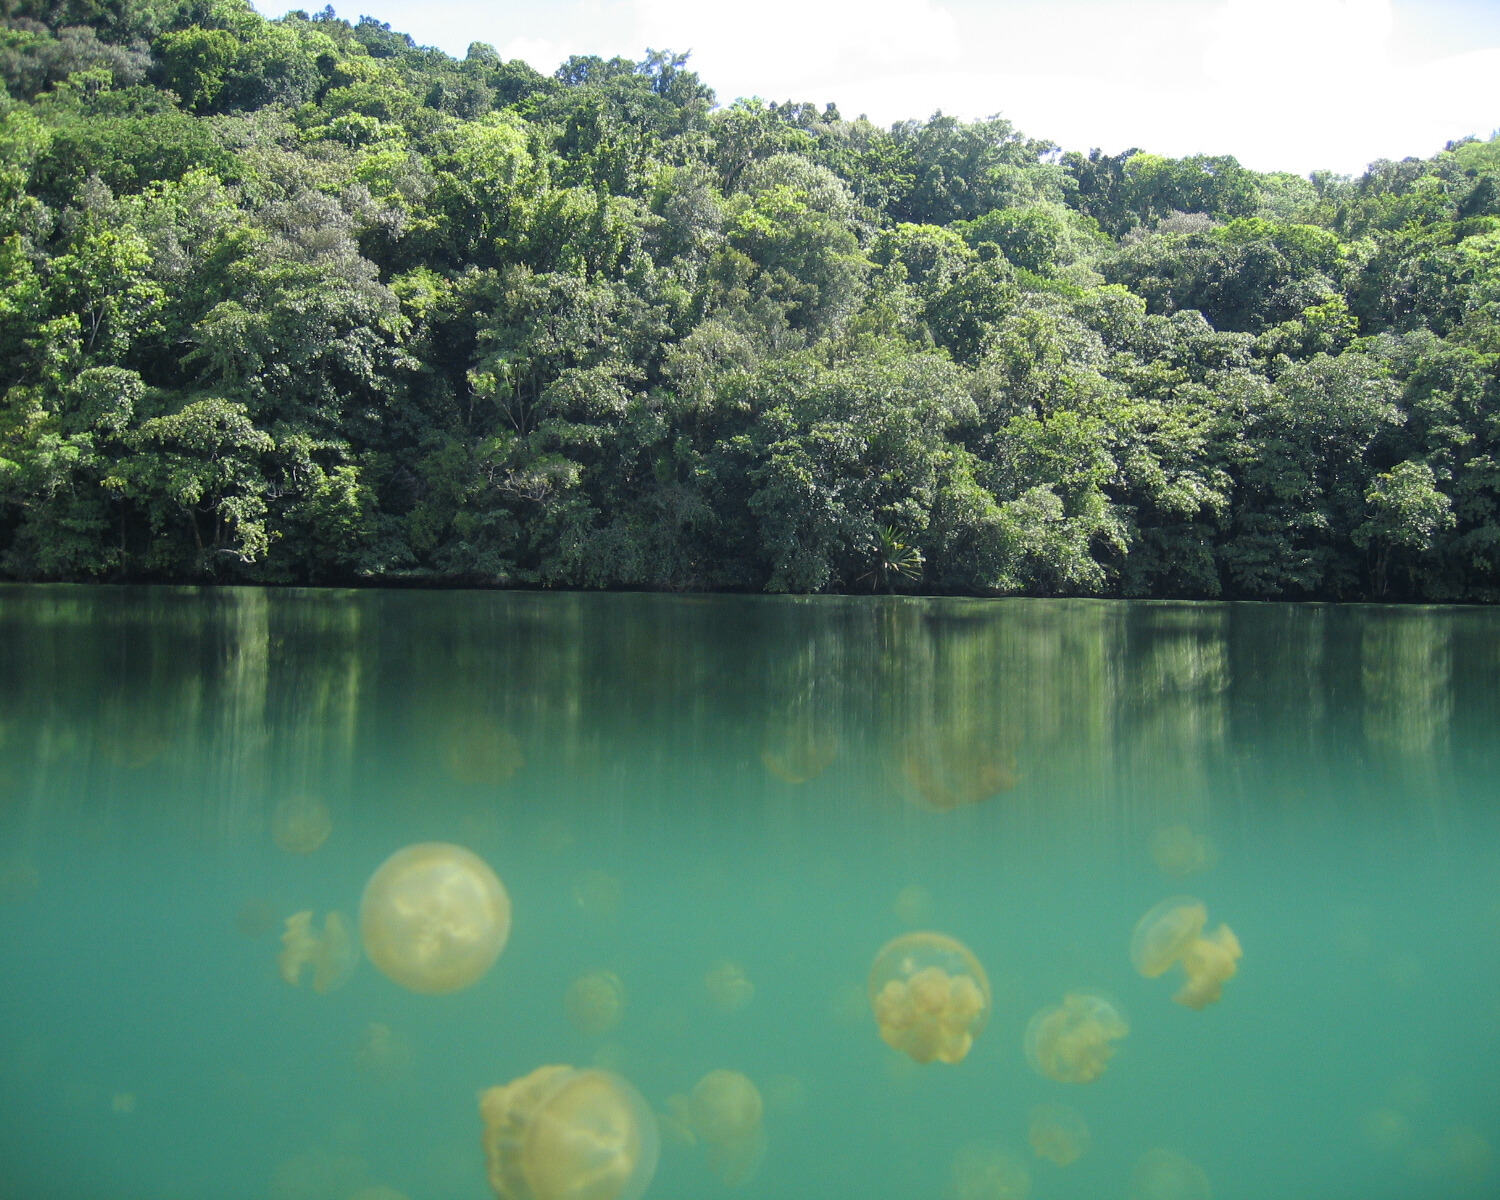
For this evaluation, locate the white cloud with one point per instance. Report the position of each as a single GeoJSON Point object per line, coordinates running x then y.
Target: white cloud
{"type": "Point", "coordinates": [1313, 44]}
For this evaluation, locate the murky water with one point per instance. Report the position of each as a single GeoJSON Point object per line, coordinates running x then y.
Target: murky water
{"type": "Point", "coordinates": [730, 805]}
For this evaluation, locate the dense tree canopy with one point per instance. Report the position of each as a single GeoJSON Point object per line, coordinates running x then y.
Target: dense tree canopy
{"type": "Point", "coordinates": [303, 301]}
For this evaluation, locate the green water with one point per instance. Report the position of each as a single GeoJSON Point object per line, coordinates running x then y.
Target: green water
{"type": "Point", "coordinates": [1339, 768]}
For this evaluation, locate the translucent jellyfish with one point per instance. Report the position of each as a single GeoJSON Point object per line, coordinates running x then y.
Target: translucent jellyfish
{"type": "Point", "coordinates": [331, 954]}
{"type": "Point", "coordinates": [595, 1002]}
{"type": "Point", "coordinates": [1180, 851]}
{"type": "Point", "coordinates": [597, 895]}
{"type": "Point", "coordinates": [300, 824]}
{"type": "Point", "coordinates": [930, 995]}
{"type": "Point", "coordinates": [1074, 1042]}
{"type": "Point", "coordinates": [1059, 1133]}
{"type": "Point", "coordinates": [434, 917]}
{"type": "Point", "coordinates": [1165, 1175]}
{"type": "Point", "coordinates": [725, 1113]}
{"type": "Point", "coordinates": [381, 1054]}
{"type": "Point", "coordinates": [948, 772]}
{"type": "Point", "coordinates": [566, 1134]}
{"type": "Point", "coordinates": [727, 987]}
{"type": "Point", "coordinates": [483, 752]}
{"type": "Point", "coordinates": [913, 905]}
{"type": "Point", "coordinates": [1172, 932]}
{"type": "Point", "coordinates": [984, 1172]}
{"type": "Point", "coordinates": [798, 751]}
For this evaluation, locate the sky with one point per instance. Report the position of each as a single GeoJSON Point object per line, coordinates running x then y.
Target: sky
{"type": "Point", "coordinates": [1289, 85]}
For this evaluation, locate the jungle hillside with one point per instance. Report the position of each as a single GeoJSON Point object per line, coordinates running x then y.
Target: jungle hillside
{"type": "Point", "coordinates": [301, 301]}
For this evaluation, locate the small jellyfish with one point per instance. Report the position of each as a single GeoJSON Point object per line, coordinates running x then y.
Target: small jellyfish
{"type": "Point", "coordinates": [482, 752]}
{"type": "Point", "coordinates": [1166, 1175]}
{"type": "Point", "coordinates": [300, 824]}
{"type": "Point", "coordinates": [795, 752]}
{"type": "Point", "coordinates": [1058, 1133]}
{"type": "Point", "coordinates": [984, 1172]}
{"type": "Point", "coordinates": [331, 954]}
{"type": "Point", "coordinates": [434, 917]}
{"type": "Point", "coordinates": [725, 1113]}
{"type": "Point", "coordinates": [930, 995]}
{"type": "Point", "coordinates": [1074, 1042]}
{"type": "Point", "coordinates": [727, 987]}
{"type": "Point", "coordinates": [566, 1134]}
{"type": "Point", "coordinates": [595, 1002]}
{"type": "Point", "coordinates": [597, 895]}
{"type": "Point", "coordinates": [913, 905]}
{"type": "Point", "coordinates": [1172, 932]}
{"type": "Point", "coordinates": [381, 1054]}
{"type": "Point", "coordinates": [948, 772]}
{"type": "Point", "coordinates": [1180, 851]}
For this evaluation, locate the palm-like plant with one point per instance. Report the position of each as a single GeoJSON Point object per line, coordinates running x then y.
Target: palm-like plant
{"type": "Point", "coordinates": [892, 559]}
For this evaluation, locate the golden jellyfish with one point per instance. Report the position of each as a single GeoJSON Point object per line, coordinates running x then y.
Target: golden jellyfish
{"type": "Point", "coordinates": [300, 824]}
{"type": "Point", "coordinates": [1172, 932]}
{"type": "Point", "coordinates": [727, 987]}
{"type": "Point", "coordinates": [1180, 851]}
{"type": "Point", "coordinates": [1074, 1042]}
{"type": "Point", "coordinates": [481, 751]}
{"type": "Point", "coordinates": [1166, 1175]}
{"type": "Point", "coordinates": [913, 905]}
{"type": "Point", "coordinates": [948, 772]}
{"type": "Point", "coordinates": [1058, 1133]}
{"type": "Point", "coordinates": [725, 1113]}
{"type": "Point", "coordinates": [983, 1172]}
{"type": "Point", "coordinates": [930, 995]}
{"type": "Point", "coordinates": [565, 1134]}
{"type": "Point", "coordinates": [798, 751]}
{"type": "Point", "coordinates": [595, 1002]}
{"type": "Point", "coordinates": [331, 954]}
{"type": "Point", "coordinates": [434, 917]}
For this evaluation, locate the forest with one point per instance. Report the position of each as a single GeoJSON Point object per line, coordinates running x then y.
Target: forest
{"type": "Point", "coordinates": [300, 301]}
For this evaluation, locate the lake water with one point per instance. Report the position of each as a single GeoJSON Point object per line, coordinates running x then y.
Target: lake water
{"type": "Point", "coordinates": [732, 804]}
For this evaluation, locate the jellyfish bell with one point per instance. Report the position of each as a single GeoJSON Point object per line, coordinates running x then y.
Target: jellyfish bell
{"type": "Point", "coordinates": [984, 1172]}
{"type": "Point", "coordinates": [727, 987]}
{"type": "Point", "coordinates": [1172, 933]}
{"type": "Point", "coordinates": [300, 824]}
{"type": "Point", "coordinates": [595, 1002]}
{"type": "Point", "coordinates": [331, 954]}
{"type": "Point", "coordinates": [930, 996]}
{"type": "Point", "coordinates": [947, 772]}
{"type": "Point", "coordinates": [1058, 1133]}
{"type": "Point", "coordinates": [434, 917]}
{"type": "Point", "coordinates": [1166, 1175]}
{"type": "Point", "coordinates": [565, 1134]}
{"type": "Point", "coordinates": [1180, 851]}
{"type": "Point", "coordinates": [725, 1112]}
{"type": "Point", "coordinates": [1073, 1042]}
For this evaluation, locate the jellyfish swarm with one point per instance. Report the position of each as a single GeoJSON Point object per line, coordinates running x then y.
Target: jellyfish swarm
{"type": "Point", "coordinates": [948, 772]}
{"type": "Point", "coordinates": [434, 917]}
{"type": "Point", "coordinates": [1167, 1175]}
{"type": "Point", "coordinates": [331, 954]}
{"type": "Point", "coordinates": [725, 1113]}
{"type": "Point", "coordinates": [930, 995]}
{"type": "Point", "coordinates": [595, 1002]}
{"type": "Point", "coordinates": [1074, 1042]}
{"type": "Point", "coordinates": [300, 824]}
{"type": "Point", "coordinates": [1058, 1133]}
{"type": "Point", "coordinates": [1172, 932]}
{"type": "Point", "coordinates": [727, 987]}
{"type": "Point", "coordinates": [565, 1134]}
{"type": "Point", "coordinates": [982, 1172]}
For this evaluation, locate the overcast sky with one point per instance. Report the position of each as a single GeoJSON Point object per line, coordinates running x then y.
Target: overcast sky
{"type": "Point", "coordinates": [1283, 84]}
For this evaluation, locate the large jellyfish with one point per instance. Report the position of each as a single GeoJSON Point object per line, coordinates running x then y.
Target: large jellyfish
{"type": "Point", "coordinates": [565, 1134]}
{"type": "Point", "coordinates": [300, 824]}
{"type": "Point", "coordinates": [481, 751]}
{"type": "Point", "coordinates": [595, 1002]}
{"type": "Point", "coordinates": [434, 917]}
{"type": "Point", "coordinates": [1074, 1042]}
{"type": "Point", "coordinates": [949, 772]}
{"type": "Point", "coordinates": [984, 1172]}
{"type": "Point", "coordinates": [930, 995]}
{"type": "Point", "coordinates": [331, 954]}
{"type": "Point", "coordinates": [1166, 1175]}
{"type": "Point", "coordinates": [727, 987]}
{"type": "Point", "coordinates": [1059, 1133]}
{"type": "Point", "coordinates": [1172, 932]}
{"type": "Point", "coordinates": [725, 1113]}
{"type": "Point", "coordinates": [1180, 851]}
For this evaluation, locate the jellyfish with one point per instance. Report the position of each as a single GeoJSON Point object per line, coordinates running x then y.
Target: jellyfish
{"type": "Point", "coordinates": [1058, 1133]}
{"type": "Point", "coordinates": [300, 824]}
{"type": "Point", "coordinates": [930, 995]}
{"type": "Point", "coordinates": [949, 772]}
{"type": "Point", "coordinates": [595, 1002]}
{"type": "Point", "coordinates": [565, 1134]}
{"type": "Point", "coordinates": [1173, 932]}
{"type": "Point", "coordinates": [795, 752]}
{"type": "Point", "coordinates": [482, 752]}
{"type": "Point", "coordinates": [1166, 1175]}
{"type": "Point", "coordinates": [434, 917]}
{"type": "Point", "coordinates": [725, 1113]}
{"type": "Point", "coordinates": [381, 1053]}
{"type": "Point", "coordinates": [597, 895]}
{"type": "Point", "coordinates": [727, 986]}
{"type": "Point", "coordinates": [984, 1172]}
{"type": "Point", "coordinates": [1180, 851]}
{"type": "Point", "coordinates": [331, 954]}
{"type": "Point", "coordinates": [1074, 1042]}
{"type": "Point", "coordinates": [913, 905]}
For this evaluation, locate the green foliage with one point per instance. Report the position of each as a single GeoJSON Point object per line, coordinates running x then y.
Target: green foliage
{"type": "Point", "coordinates": [299, 300]}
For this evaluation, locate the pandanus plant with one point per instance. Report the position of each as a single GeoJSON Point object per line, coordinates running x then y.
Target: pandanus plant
{"type": "Point", "coordinates": [892, 559]}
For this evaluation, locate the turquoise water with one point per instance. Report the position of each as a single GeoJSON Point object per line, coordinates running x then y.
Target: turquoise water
{"type": "Point", "coordinates": [1327, 777]}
